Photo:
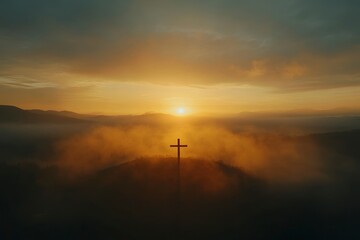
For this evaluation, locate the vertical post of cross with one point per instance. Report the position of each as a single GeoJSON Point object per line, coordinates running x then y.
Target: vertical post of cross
{"type": "Point", "coordinates": [178, 146]}
{"type": "Point", "coordinates": [178, 192]}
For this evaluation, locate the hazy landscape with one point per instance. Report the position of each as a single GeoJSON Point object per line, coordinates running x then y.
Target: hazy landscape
{"type": "Point", "coordinates": [179, 120]}
{"type": "Point", "coordinates": [71, 176]}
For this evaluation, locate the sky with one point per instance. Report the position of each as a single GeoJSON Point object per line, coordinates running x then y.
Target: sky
{"type": "Point", "coordinates": [214, 56]}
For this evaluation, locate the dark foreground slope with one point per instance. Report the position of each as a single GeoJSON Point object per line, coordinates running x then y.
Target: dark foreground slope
{"type": "Point", "coordinates": [138, 200]}
{"type": "Point", "coordinates": [135, 200]}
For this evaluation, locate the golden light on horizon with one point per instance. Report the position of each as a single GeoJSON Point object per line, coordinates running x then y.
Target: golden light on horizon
{"type": "Point", "coordinates": [181, 111]}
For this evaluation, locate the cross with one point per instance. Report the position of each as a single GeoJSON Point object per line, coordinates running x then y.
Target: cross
{"type": "Point", "coordinates": [178, 147]}
{"type": "Point", "coordinates": [178, 172]}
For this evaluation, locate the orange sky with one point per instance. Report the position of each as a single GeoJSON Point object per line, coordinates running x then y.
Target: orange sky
{"type": "Point", "coordinates": [218, 57]}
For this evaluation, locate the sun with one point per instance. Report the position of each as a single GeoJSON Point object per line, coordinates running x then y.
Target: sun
{"type": "Point", "coordinates": [180, 111]}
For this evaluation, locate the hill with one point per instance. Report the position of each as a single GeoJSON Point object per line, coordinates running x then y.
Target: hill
{"type": "Point", "coordinates": [12, 114]}
{"type": "Point", "coordinates": [138, 200]}
{"type": "Point", "coordinates": [134, 200]}
{"type": "Point", "coordinates": [344, 142]}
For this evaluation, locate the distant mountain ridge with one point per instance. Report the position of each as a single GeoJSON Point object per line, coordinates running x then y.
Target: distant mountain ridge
{"type": "Point", "coordinates": [12, 114]}
{"type": "Point", "coordinates": [291, 125]}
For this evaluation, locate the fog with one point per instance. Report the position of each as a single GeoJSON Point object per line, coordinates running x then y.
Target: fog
{"type": "Point", "coordinates": [117, 180]}
{"type": "Point", "coordinates": [268, 156]}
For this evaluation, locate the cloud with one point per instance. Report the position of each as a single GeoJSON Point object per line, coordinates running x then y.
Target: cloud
{"type": "Point", "coordinates": [29, 94]}
{"type": "Point", "coordinates": [312, 44]}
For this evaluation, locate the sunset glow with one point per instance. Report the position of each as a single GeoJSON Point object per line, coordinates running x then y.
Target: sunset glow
{"type": "Point", "coordinates": [180, 111]}
{"type": "Point", "coordinates": [135, 57]}
{"type": "Point", "coordinates": [181, 119]}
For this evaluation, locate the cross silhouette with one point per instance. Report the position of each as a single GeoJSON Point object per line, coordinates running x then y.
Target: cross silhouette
{"type": "Point", "coordinates": [178, 145]}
